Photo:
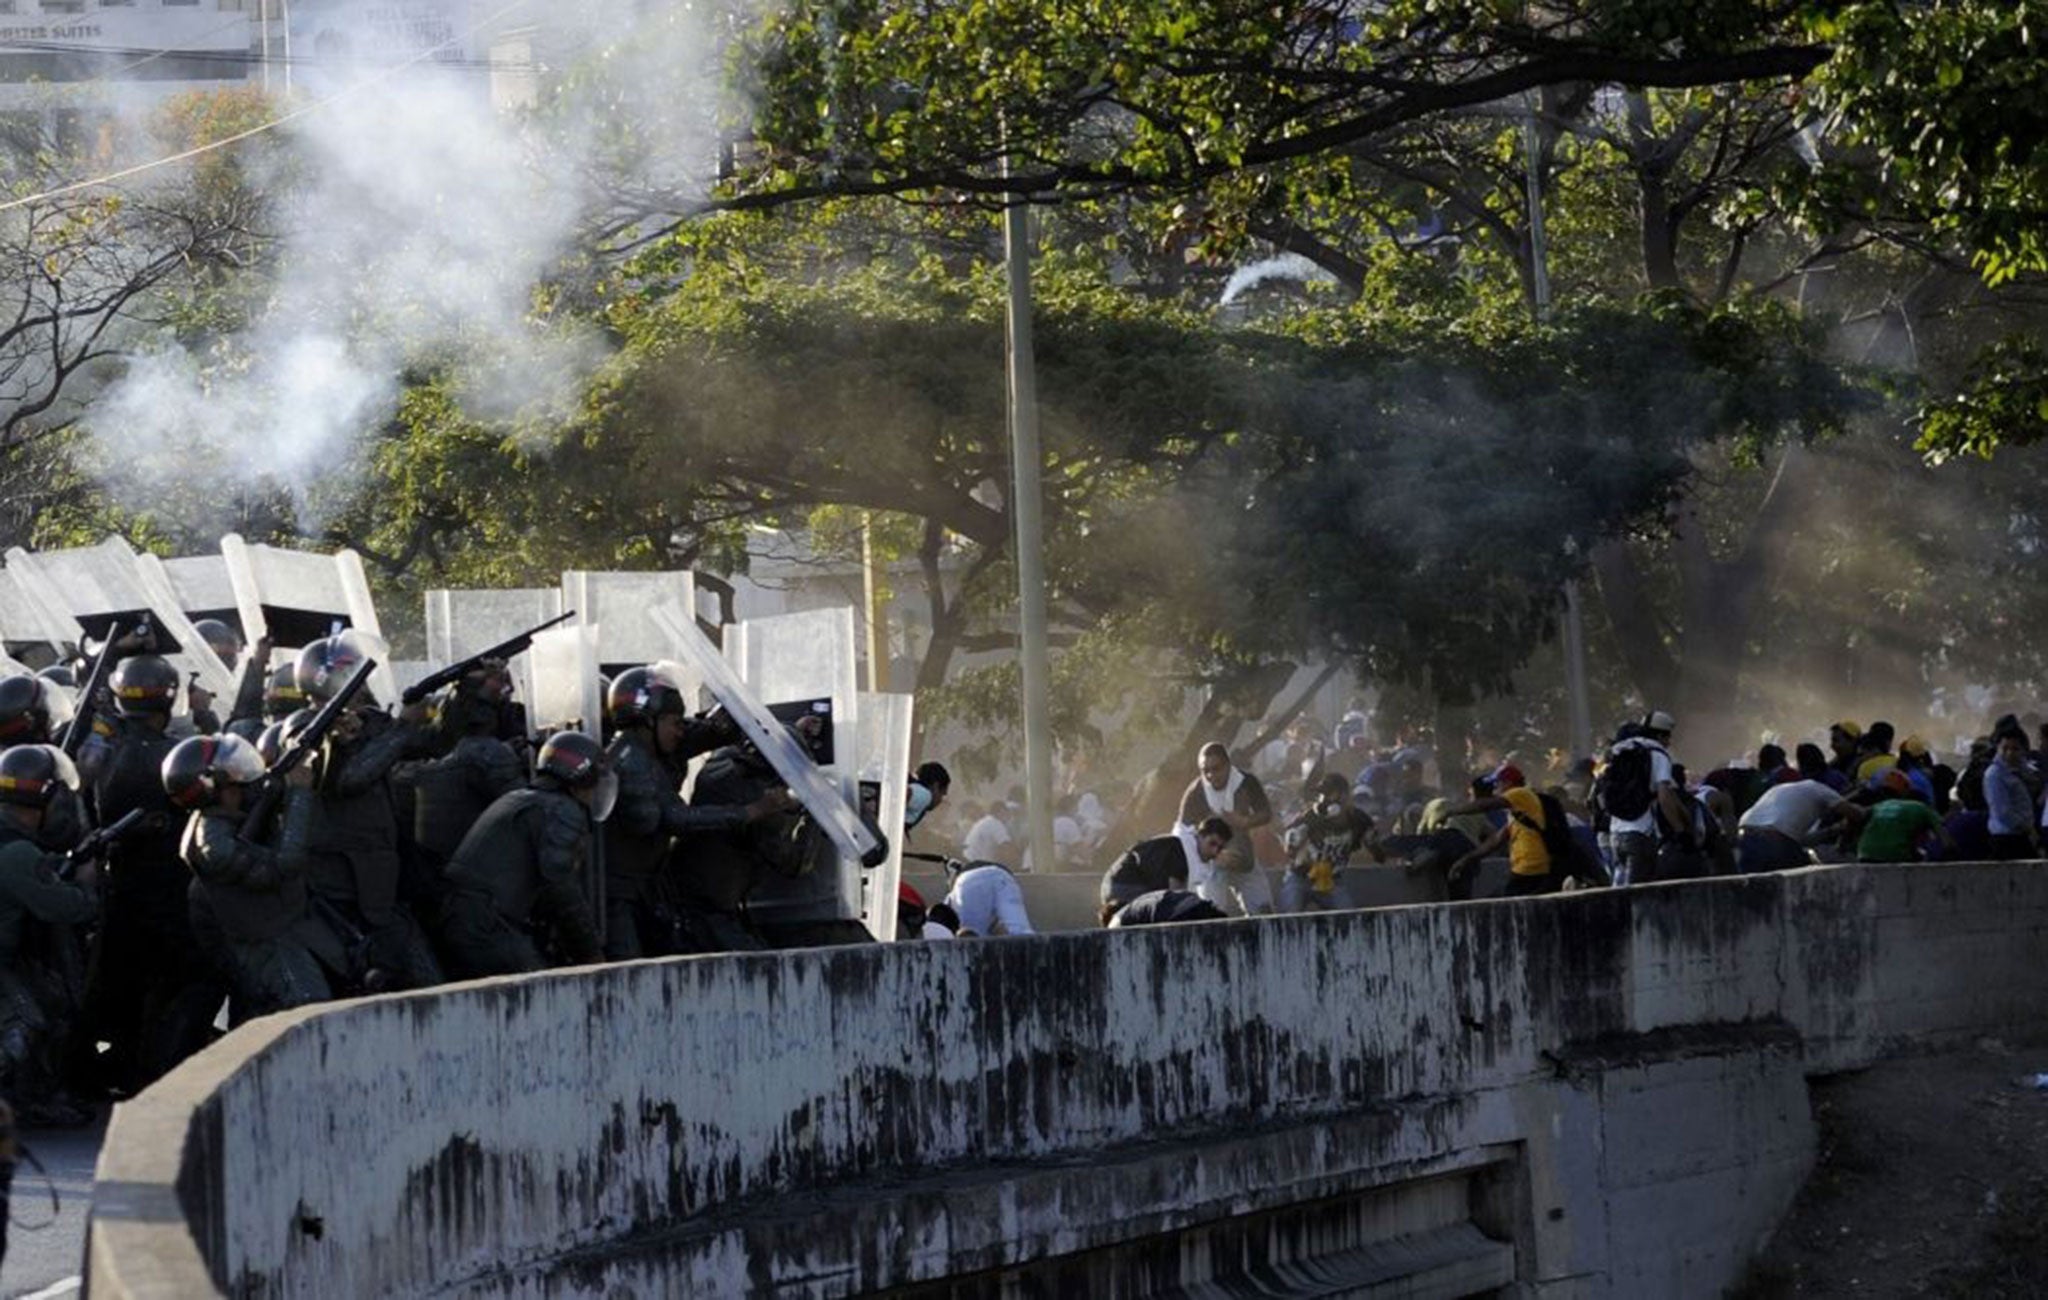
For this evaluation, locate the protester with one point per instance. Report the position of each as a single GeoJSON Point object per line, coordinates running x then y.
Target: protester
{"type": "Point", "coordinates": [1532, 867]}
{"type": "Point", "coordinates": [2010, 820]}
{"type": "Point", "coordinates": [1320, 842]}
{"type": "Point", "coordinates": [1775, 833]}
{"type": "Point", "coordinates": [1639, 798]}
{"type": "Point", "coordinates": [1222, 789]}
{"type": "Point", "coordinates": [988, 838]}
{"type": "Point", "coordinates": [1162, 862]}
{"type": "Point", "coordinates": [987, 899]}
{"type": "Point", "coordinates": [1165, 907]}
{"type": "Point", "coordinates": [1899, 825]}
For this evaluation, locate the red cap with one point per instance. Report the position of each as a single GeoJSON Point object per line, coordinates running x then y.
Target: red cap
{"type": "Point", "coordinates": [1507, 774]}
{"type": "Point", "coordinates": [905, 894]}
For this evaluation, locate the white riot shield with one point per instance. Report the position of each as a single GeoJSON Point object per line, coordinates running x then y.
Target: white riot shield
{"type": "Point", "coordinates": [461, 623]}
{"type": "Point", "coordinates": [107, 586]}
{"type": "Point", "coordinates": [882, 762]}
{"type": "Point", "coordinates": [28, 624]}
{"type": "Point", "coordinates": [296, 597]}
{"type": "Point", "coordinates": [567, 695]}
{"type": "Point", "coordinates": [620, 604]}
{"type": "Point", "coordinates": [812, 787]}
{"type": "Point", "coordinates": [203, 587]}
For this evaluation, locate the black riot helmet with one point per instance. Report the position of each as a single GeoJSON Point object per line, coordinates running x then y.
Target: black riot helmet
{"type": "Point", "coordinates": [574, 761]}
{"type": "Point", "coordinates": [249, 729]}
{"type": "Point", "coordinates": [281, 695]}
{"type": "Point", "coordinates": [224, 641]}
{"type": "Point", "coordinates": [196, 770]}
{"type": "Point", "coordinates": [272, 742]}
{"type": "Point", "coordinates": [325, 666]}
{"type": "Point", "coordinates": [31, 710]}
{"type": "Point", "coordinates": [63, 676]}
{"type": "Point", "coordinates": [640, 695]}
{"type": "Point", "coordinates": [32, 776]}
{"type": "Point", "coordinates": [144, 684]}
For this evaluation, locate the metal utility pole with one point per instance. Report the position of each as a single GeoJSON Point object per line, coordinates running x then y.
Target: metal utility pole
{"type": "Point", "coordinates": [1025, 502]}
{"type": "Point", "coordinates": [871, 608]}
{"type": "Point", "coordinates": [1539, 279]}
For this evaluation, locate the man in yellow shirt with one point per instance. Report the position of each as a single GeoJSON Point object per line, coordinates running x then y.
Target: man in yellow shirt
{"type": "Point", "coordinates": [1530, 870]}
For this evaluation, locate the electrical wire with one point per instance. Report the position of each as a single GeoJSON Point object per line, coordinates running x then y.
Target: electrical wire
{"type": "Point", "coordinates": [244, 58]}
{"type": "Point", "coordinates": [197, 151]}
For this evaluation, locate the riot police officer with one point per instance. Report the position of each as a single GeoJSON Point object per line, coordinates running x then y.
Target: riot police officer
{"type": "Point", "coordinates": [356, 867]}
{"type": "Point", "coordinates": [33, 710]}
{"type": "Point", "coordinates": [655, 737]}
{"type": "Point", "coordinates": [249, 886]}
{"type": "Point", "coordinates": [521, 866]}
{"type": "Point", "coordinates": [281, 694]}
{"type": "Point", "coordinates": [38, 907]}
{"type": "Point", "coordinates": [451, 792]}
{"type": "Point", "coordinates": [151, 995]}
{"type": "Point", "coordinates": [251, 681]}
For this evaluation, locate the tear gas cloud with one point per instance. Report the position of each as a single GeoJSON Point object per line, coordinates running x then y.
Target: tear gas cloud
{"type": "Point", "coordinates": [415, 222]}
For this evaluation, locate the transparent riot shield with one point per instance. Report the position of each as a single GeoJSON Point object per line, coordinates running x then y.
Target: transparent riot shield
{"type": "Point", "coordinates": [106, 587]}
{"type": "Point", "coordinates": [569, 696]}
{"type": "Point", "coordinates": [882, 762]}
{"type": "Point", "coordinates": [794, 661]}
{"type": "Point", "coordinates": [620, 604]}
{"type": "Point", "coordinates": [297, 597]}
{"type": "Point", "coordinates": [461, 623]}
{"type": "Point", "coordinates": [28, 626]}
{"type": "Point", "coordinates": [812, 788]}
{"type": "Point", "coordinates": [12, 667]}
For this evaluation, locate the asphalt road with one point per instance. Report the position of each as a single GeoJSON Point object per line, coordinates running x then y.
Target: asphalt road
{"type": "Point", "coordinates": [43, 1256]}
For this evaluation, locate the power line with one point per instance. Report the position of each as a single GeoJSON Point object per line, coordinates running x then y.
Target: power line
{"type": "Point", "coordinates": [246, 58]}
{"type": "Point", "coordinates": [304, 110]}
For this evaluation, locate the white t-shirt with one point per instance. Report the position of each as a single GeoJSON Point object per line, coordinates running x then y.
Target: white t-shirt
{"type": "Point", "coordinates": [986, 840]}
{"type": "Point", "coordinates": [1660, 774]}
{"type": "Point", "coordinates": [1794, 808]}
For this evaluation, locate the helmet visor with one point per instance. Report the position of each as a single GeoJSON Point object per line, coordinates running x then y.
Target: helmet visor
{"type": "Point", "coordinates": [604, 795]}
{"type": "Point", "coordinates": [56, 703]}
{"type": "Point", "coordinates": [237, 761]}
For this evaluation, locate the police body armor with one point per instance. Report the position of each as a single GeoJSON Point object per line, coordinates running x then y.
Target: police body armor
{"type": "Point", "coordinates": [524, 859]}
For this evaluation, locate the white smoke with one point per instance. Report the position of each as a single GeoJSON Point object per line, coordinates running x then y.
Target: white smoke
{"type": "Point", "coordinates": [1287, 266]}
{"type": "Point", "coordinates": [420, 222]}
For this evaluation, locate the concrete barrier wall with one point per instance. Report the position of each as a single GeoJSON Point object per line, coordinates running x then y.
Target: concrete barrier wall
{"type": "Point", "coordinates": [1629, 1063]}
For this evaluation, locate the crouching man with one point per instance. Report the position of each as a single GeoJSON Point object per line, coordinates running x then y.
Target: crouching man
{"type": "Point", "coordinates": [1161, 863]}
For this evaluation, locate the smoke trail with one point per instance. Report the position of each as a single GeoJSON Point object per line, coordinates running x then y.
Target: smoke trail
{"type": "Point", "coordinates": [1287, 266]}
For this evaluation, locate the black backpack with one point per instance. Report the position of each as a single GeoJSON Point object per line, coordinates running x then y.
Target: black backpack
{"type": "Point", "coordinates": [1624, 785]}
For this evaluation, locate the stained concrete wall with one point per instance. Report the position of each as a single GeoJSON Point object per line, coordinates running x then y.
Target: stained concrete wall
{"type": "Point", "coordinates": [1618, 1075]}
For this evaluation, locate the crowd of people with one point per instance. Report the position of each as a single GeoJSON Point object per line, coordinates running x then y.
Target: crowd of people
{"type": "Point", "coordinates": [161, 866]}
{"type": "Point", "coordinates": [1631, 815]}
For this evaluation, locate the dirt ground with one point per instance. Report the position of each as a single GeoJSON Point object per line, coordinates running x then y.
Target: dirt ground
{"type": "Point", "coordinates": [1932, 1180]}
